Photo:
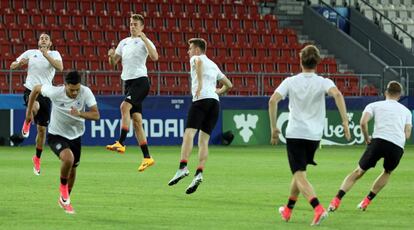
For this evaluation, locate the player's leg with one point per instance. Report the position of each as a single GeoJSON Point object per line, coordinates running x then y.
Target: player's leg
{"type": "Point", "coordinates": [186, 148]}
{"type": "Point", "coordinates": [286, 211]}
{"type": "Point", "coordinates": [119, 146]}
{"type": "Point", "coordinates": [42, 119]}
{"type": "Point", "coordinates": [40, 141]}
{"type": "Point", "coordinates": [392, 156]}
{"type": "Point", "coordinates": [75, 146]}
{"type": "Point", "coordinates": [346, 185]}
{"type": "Point", "coordinates": [142, 141]}
{"type": "Point", "coordinates": [203, 139]}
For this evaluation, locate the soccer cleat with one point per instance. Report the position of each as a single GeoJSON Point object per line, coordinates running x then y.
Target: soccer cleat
{"type": "Point", "coordinates": [116, 147]}
{"type": "Point", "coordinates": [180, 174]}
{"type": "Point", "coordinates": [36, 165]}
{"type": "Point", "coordinates": [334, 205]}
{"type": "Point", "coordinates": [64, 193]}
{"type": "Point", "coordinates": [26, 129]}
{"type": "Point", "coordinates": [285, 213]}
{"type": "Point", "coordinates": [364, 204]}
{"type": "Point", "coordinates": [195, 183]}
{"type": "Point", "coordinates": [320, 214]}
{"type": "Point", "coordinates": [66, 205]}
{"type": "Point", "coordinates": [146, 162]}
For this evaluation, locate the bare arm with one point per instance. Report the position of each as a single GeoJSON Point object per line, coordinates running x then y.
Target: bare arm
{"type": "Point", "coordinates": [19, 64]}
{"type": "Point", "coordinates": [227, 85]}
{"type": "Point", "coordinates": [32, 98]}
{"type": "Point", "coordinates": [57, 64]}
{"type": "Point", "coordinates": [92, 114]}
{"type": "Point", "coordinates": [273, 102]}
{"type": "Point", "coordinates": [113, 58]}
{"type": "Point", "coordinates": [340, 103]}
{"type": "Point", "coordinates": [199, 73]}
{"type": "Point", "coordinates": [366, 117]}
{"type": "Point", "coordinates": [152, 53]}
{"type": "Point", "coordinates": [407, 131]}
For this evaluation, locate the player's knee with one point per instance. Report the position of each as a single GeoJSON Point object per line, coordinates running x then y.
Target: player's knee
{"type": "Point", "coordinates": [67, 156]}
{"type": "Point", "coordinates": [358, 173]}
{"type": "Point", "coordinates": [41, 130]}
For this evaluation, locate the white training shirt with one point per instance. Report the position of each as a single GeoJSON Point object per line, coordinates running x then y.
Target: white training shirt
{"type": "Point", "coordinates": [390, 119]}
{"type": "Point", "coordinates": [40, 71]}
{"type": "Point", "coordinates": [134, 55]}
{"type": "Point", "coordinates": [62, 123]}
{"type": "Point", "coordinates": [210, 75]}
{"type": "Point", "coordinates": [306, 92]}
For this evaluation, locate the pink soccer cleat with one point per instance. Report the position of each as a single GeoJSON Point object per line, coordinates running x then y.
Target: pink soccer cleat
{"type": "Point", "coordinates": [36, 165]}
{"type": "Point", "coordinates": [334, 205]}
{"type": "Point", "coordinates": [364, 204]}
{"type": "Point", "coordinates": [285, 213]}
{"type": "Point", "coordinates": [320, 214]}
{"type": "Point", "coordinates": [26, 129]}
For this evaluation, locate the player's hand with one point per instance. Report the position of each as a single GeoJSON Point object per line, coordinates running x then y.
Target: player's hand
{"type": "Point", "coordinates": [23, 62]}
{"type": "Point", "coordinates": [111, 52]}
{"type": "Point", "coordinates": [142, 35]}
{"type": "Point", "coordinates": [44, 50]}
{"type": "Point", "coordinates": [368, 140]}
{"type": "Point", "coordinates": [274, 139]}
{"type": "Point", "coordinates": [198, 93]}
{"type": "Point", "coordinates": [74, 112]}
{"type": "Point", "coordinates": [346, 131]}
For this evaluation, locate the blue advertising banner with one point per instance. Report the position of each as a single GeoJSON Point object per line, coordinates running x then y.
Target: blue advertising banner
{"type": "Point", "coordinates": [163, 126]}
{"type": "Point", "coordinates": [333, 17]}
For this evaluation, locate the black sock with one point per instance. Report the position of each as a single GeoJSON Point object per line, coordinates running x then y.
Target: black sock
{"type": "Point", "coordinates": [63, 181]}
{"type": "Point", "coordinates": [371, 195]}
{"type": "Point", "coordinates": [144, 149]}
{"type": "Point", "coordinates": [291, 202]}
{"type": "Point", "coordinates": [183, 164]}
{"type": "Point", "coordinates": [340, 194]}
{"type": "Point", "coordinates": [199, 170]}
{"type": "Point", "coordinates": [38, 152]}
{"type": "Point", "coordinates": [314, 202]}
{"type": "Point", "coordinates": [124, 132]}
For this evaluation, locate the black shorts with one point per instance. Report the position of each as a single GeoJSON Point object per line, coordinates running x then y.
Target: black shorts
{"type": "Point", "coordinates": [136, 90]}
{"type": "Point", "coordinates": [380, 148]}
{"type": "Point", "coordinates": [58, 144]}
{"type": "Point", "coordinates": [42, 117]}
{"type": "Point", "coordinates": [300, 153]}
{"type": "Point", "coordinates": [203, 115]}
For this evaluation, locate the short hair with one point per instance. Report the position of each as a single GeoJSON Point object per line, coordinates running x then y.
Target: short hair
{"type": "Point", "coordinates": [394, 88]}
{"type": "Point", "coordinates": [73, 77]}
{"type": "Point", "coordinates": [310, 57]}
{"type": "Point", "coordinates": [138, 17]}
{"type": "Point", "coordinates": [199, 42]}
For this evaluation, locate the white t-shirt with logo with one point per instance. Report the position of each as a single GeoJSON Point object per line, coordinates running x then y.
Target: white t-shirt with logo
{"type": "Point", "coordinates": [134, 55]}
{"type": "Point", "coordinates": [306, 92]}
{"type": "Point", "coordinates": [40, 71]}
{"type": "Point", "coordinates": [390, 119]}
{"type": "Point", "coordinates": [211, 73]}
{"type": "Point", "coordinates": [62, 123]}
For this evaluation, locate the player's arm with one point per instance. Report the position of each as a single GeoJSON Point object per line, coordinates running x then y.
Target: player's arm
{"type": "Point", "coordinates": [407, 131]}
{"type": "Point", "coordinates": [19, 64]}
{"type": "Point", "coordinates": [273, 103]}
{"type": "Point", "coordinates": [32, 98]}
{"type": "Point", "coordinates": [152, 52]}
{"type": "Point", "coordinates": [366, 117]}
{"type": "Point", "coordinates": [57, 64]}
{"type": "Point", "coordinates": [91, 114]}
{"type": "Point", "coordinates": [340, 103]}
{"type": "Point", "coordinates": [113, 58]}
{"type": "Point", "coordinates": [227, 85]}
{"type": "Point", "coordinates": [199, 74]}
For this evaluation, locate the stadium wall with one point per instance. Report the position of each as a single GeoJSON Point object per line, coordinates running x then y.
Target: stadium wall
{"type": "Point", "coordinates": [165, 117]}
{"type": "Point", "coordinates": [342, 45]}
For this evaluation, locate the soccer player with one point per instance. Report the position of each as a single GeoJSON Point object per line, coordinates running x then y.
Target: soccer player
{"type": "Point", "coordinates": [67, 125]}
{"type": "Point", "coordinates": [392, 126]}
{"type": "Point", "coordinates": [42, 65]}
{"type": "Point", "coordinates": [204, 110]}
{"type": "Point", "coordinates": [306, 92]}
{"type": "Point", "coordinates": [134, 51]}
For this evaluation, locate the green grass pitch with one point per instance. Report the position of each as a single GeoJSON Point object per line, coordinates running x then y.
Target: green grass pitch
{"type": "Point", "coordinates": [242, 189]}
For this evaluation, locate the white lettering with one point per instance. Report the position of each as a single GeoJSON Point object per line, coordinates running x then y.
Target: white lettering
{"type": "Point", "coordinates": [153, 124]}
{"type": "Point", "coordinates": [111, 126]}
{"type": "Point", "coordinates": [97, 128]}
{"type": "Point", "coordinates": [171, 127]}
